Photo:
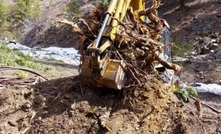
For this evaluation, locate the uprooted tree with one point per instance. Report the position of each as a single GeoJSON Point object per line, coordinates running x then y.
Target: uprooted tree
{"type": "Point", "coordinates": [137, 43]}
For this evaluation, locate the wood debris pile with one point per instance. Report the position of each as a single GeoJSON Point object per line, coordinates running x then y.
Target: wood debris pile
{"type": "Point", "coordinates": [136, 42]}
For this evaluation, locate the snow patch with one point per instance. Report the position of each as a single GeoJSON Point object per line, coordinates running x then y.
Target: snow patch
{"type": "Point", "coordinates": [210, 88]}
{"type": "Point", "coordinates": [66, 55]}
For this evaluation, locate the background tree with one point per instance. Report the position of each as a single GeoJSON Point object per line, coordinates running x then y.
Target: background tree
{"type": "Point", "coordinates": [3, 16]}
{"type": "Point", "coordinates": [25, 8]}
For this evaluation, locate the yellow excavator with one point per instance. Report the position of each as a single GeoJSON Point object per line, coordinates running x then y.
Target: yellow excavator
{"type": "Point", "coordinates": [97, 66]}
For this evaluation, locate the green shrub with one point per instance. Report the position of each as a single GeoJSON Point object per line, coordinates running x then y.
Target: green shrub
{"type": "Point", "coordinates": [25, 8]}
{"type": "Point", "coordinates": [181, 49]}
{"type": "Point", "coordinates": [73, 7]}
{"type": "Point", "coordinates": [21, 74]}
{"type": "Point", "coordinates": [15, 58]}
{"type": "Point", "coordinates": [12, 16]}
{"type": "Point", "coordinates": [104, 2]}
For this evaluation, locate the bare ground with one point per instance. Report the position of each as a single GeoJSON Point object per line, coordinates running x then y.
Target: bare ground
{"type": "Point", "coordinates": [68, 105]}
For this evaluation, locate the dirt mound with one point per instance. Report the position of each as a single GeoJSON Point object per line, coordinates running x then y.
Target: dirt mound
{"type": "Point", "coordinates": [79, 108]}
{"type": "Point", "coordinates": [70, 106]}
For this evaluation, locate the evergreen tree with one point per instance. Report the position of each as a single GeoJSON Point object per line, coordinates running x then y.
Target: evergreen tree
{"type": "Point", "coordinates": [25, 8]}
{"type": "Point", "coordinates": [3, 14]}
{"type": "Point", "coordinates": [73, 7]}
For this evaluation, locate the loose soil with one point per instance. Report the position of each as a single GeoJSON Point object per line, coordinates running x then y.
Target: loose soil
{"type": "Point", "coordinates": [68, 105]}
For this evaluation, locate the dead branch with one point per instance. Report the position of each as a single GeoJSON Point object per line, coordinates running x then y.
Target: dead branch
{"type": "Point", "coordinates": [134, 76]}
{"type": "Point", "coordinates": [24, 69]}
{"type": "Point", "coordinates": [207, 105]}
{"type": "Point", "coordinates": [166, 64]}
{"type": "Point", "coordinates": [88, 27]}
{"type": "Point", "coordinates": [73, 25]}
{"type": "Point", "coordinates": [152, 14]}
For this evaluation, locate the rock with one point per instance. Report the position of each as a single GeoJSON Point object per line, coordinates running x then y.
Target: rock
{"type": "Point", "coordinates": [179, 59]}
{"type": "Point", "coordinates": [212, 51]}
{"type": "Point", "coordinates": [2, 87]}
{"type": "Point", "coordinates": [182, 86]}
{"type": "Point", "coordinates": [27, 95]}
{"type": "Point", "coordinates": [104, 118]}
{"type": "Point", "coordinates": [203, 50]}
{"type": "Point", "coordinates": [114, 124]}
{"type": "Point", "coordinates": [67, 96]}
{"type": "Point", "coordinates": [39, 118]}
{"type": "Point", "coordinates": [26, 106]}
{"type": "Point", "coordinates": [215, 35]}
{"type": "Point", "coordinates": [214, 45]}
{"type": "Point", "coordinates": [208, 81]}
{"type": "Point", "coordinates": [73, 106]}
{"type": "Point", "coordinates": [12, 123]}
{"type": "Point", "coordinates": [206, 47]}
{"type": "Point", "coordinates": [218, 16]}
{"type": "Point", "coordinates": [218, 55]}
{"type": "Point", "coordinates": [201, 72]}
{"type": "Point", "coordinates": [39, 99]}
{"type": "Point", "coordinates": [218, 130]}
{"type": "Point", "coordinates": [213, 41]}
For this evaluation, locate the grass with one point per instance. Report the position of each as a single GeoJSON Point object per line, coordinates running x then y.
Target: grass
{"type": "Point", "coordinates": [21, 74]}
{"type": "Point", "coordinates": [181, 49]}
{"type": "Point", "coordinates": [11, 57]}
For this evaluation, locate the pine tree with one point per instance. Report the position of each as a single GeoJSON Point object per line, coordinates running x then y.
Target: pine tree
{"type": "Point", "coordinates": [3, 14]}
{"type": "Point", "coordinates": [25, 8]}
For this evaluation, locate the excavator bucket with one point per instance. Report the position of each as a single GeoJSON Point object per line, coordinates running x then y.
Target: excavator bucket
{"type": "Point", "coordinates": [113, 75]}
